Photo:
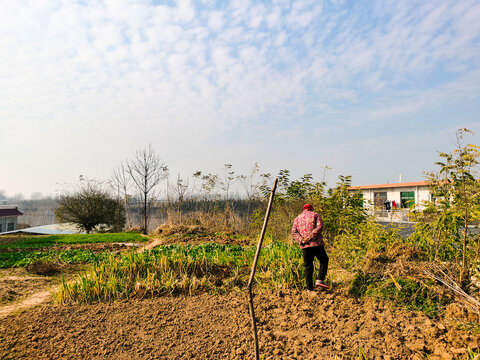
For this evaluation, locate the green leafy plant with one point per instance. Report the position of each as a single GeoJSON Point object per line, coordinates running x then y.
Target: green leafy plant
{"type": "Point", "coordinates": [211, 267]}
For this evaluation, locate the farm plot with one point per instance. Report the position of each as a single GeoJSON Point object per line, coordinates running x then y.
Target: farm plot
{"type": "Point", "coordinates": [189, 301]}
{"type": "Point", "coordinates": [292, 325]}
{"type": "Point", "coordinates": [33, 263]}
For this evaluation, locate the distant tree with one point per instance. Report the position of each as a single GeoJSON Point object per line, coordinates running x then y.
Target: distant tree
{"type": "Point", "coordinates": [177, 192]}
{"type": "Point", "coordinates": [228, 180]}
{"type": "Point", "coordinates": [90, 206]}
{"type": "Point", "coordinates": [120, 182]}
{"type": "Point", "coordinates": [36, 195]}
{"type": "Point", "coordinates": [18, 197]}
{"type": "Point", "coordinates": [147, 172]}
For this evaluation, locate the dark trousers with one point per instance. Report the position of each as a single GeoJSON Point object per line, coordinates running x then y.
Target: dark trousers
{"type": "Point", "coordinates": [309, 254]}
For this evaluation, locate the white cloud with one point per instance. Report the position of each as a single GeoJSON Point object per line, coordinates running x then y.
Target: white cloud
{"type": "Point", "coordinates": [216, 20]}
{"type": "Point", "coordinates": [199, 73]}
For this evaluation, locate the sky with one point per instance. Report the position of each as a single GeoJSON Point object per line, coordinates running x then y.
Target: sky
{"type": "Point", "coordinates": [372, 89]}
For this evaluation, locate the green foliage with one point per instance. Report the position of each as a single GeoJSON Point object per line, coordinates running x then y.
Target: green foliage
{"type": "Point", "coordinates": [442, 231]}
{"type": "Point", "coordinates": [174, 268]}
{"type": "Point", "coordinates": [350, 248]}
{"type": "Point", "coordinates": [42, 241]}
{"type": "Point", "coordinates": [90, 207]}
{"type": "Point", "coordinates": [403, 292]}
{"type": "Point", "coordinates": [74, 256]}
{"type": "Point", "coordinates": [340, 208]}
{"type": "Point", "coordinates": [14, 258]}
{"type": "Point", "coordinates": [438, 239]}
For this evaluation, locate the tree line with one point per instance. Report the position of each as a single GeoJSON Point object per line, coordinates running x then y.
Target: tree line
{"type": "Point", "coordinates": [442, 230]}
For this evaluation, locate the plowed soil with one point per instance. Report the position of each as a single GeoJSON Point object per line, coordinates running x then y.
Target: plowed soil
{"type": "Point", "coordinates": [292, 325]}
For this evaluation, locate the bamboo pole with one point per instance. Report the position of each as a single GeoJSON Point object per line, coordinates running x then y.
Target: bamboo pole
{"type": "Point", "coordinates": [254, 267]}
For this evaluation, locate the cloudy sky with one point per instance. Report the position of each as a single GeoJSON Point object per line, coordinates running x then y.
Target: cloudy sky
{"type": "Point", "coordinates": [368, 88]}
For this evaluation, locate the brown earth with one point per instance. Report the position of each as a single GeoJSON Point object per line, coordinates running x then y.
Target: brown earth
{"type": "Point", "coordinates": [292, 325]}
{"type": "Point", "coordinates": [16, 284]}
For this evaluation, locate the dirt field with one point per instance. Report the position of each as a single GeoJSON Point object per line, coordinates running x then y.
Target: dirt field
{"type": "Point", "coordinates": [292, 325]}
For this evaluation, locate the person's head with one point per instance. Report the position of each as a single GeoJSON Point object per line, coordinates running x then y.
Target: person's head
{"type": "Point", "coordinates": [308, 207]}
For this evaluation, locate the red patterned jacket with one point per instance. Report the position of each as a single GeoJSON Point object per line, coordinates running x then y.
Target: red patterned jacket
{"type": "Point", "coordinates": [307, 225]}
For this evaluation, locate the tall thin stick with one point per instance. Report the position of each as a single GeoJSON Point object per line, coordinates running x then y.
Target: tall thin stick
{"type": "Point", "coordinates": [254, 267]}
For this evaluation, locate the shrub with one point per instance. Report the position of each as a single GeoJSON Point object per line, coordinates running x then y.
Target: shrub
{"type": "Point", "coordinates": [404, 292]}
{"type": "Point", "coordinates": [350, 249]}
{"type": "Point", "coordinates": [90, 207]}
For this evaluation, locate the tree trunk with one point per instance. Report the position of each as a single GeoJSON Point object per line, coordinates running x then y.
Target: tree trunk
{"type": "Point", "coordinates": [145, 214]}
{"type": "Point", "coordinates": [437, 245]}
{"type": "Point", "coordinates": [464, 252]}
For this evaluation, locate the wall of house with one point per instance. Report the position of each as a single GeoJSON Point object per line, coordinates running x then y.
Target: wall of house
{"type": "Point", "coordinates": [6, 221]}
{"type": "Point", "coordinates": [422, 194]}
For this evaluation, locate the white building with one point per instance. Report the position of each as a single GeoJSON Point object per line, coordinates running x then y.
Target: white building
{"type": "Point", "coordinates": [9, 218]}
{"type": "Point", "coordinates": [394, 201]}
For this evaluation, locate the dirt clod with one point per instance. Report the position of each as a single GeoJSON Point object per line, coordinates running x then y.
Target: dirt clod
{"type": "Point", "coordinates": [218, 327]}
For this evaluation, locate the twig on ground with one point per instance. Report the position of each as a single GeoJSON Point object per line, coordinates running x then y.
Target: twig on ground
{"type": "Point", "coordinates": [466, 300]}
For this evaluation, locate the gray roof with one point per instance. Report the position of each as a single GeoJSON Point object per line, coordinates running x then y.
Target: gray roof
{"type": "Point", "coordinates": [53, 229]}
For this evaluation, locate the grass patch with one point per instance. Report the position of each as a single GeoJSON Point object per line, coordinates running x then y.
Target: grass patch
{"type": "Point", "coordinates": [403, 292]}
{"type": "Point", "coordinates": [73, 256]}
{"type": "Point", "coordinates": [213, 268]}
{"type": "Point", "coordinates": [41, 241]}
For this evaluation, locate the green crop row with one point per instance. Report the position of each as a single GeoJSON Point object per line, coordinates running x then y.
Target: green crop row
{"type": "Point", "coordinates": [175, 268]}
{"type": "Point", "coordinates": [52, 240]}
{"type": "Point", "coordinates": [74, 256]}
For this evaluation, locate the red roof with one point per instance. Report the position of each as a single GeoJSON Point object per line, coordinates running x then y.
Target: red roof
{"type": "Point", "coordinates": [385, 186]}
{"type": "Point", "coordinates": [10, 212]}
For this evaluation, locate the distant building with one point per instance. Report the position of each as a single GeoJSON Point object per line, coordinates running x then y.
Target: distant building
{"type": "Point", "coordinates": [52, 229]}
{"type": "Point", "coordinates": [9, 218]}
{"type": "Point", "coordinates": [394, 201]}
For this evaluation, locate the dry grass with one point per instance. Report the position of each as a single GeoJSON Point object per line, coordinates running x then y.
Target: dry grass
{"type": "Point", "coordinates": [212, 221]}
{"type": "Point", "coordinates": [134, 229]}
{"type": "Point", "coordinates": [172, 229]}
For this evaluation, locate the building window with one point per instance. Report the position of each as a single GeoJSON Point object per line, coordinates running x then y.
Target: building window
{"type": "Point", "coordinates": [379, 198]}
{"type": "Point", "coordinates": [1, 229]}
{"type": "Point", "coordinates": [10, 226]}
{"type": "Point", "coordinates": [361, 201]}
{"type": "Point", "coordinates": [407, 199]}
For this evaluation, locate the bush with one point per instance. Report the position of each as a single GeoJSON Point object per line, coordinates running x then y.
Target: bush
{"type": "Point", "coordinates": [408, 293]}
{"type": "Point", "coordinates": [350, 249]}
{"type": "Point", "coordinates": [90, 207]}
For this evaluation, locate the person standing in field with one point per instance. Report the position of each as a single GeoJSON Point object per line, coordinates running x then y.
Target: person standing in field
{"type": "Point", "coordinates": [307, 232]}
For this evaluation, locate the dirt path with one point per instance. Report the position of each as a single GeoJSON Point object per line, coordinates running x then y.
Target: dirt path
{"type": "Point", "coordinates": [31, 301]}
{"type": "Point", "coordinates": [156, 242]}
{"type": "Point", "coordinates": [45, 295]}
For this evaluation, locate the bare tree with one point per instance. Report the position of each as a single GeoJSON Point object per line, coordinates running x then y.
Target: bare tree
{"type": "Point", "coordinates": [120, 182]}
{"type": "Point", "coordinates": [229, 180]}
{"type": "Point", "coordinates": [254, 182]}
{"type": "Point", "coordinates": [209, 186]}
{"type": "Point", "coordinates": [179, 191]}
{"type": "Point", "coordinates": [147, 171]}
